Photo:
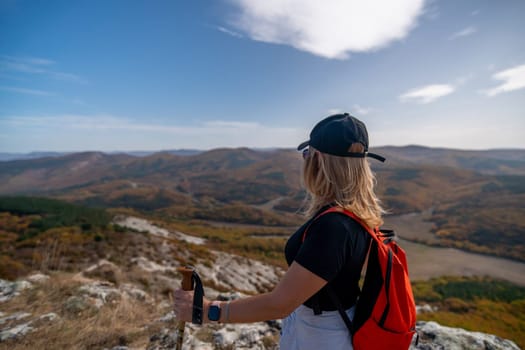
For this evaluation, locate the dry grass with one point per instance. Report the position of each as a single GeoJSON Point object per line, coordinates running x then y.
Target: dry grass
{"type": "Point", "coordinates": [124, 322]}
{"type": "Point", "coordinates": [475, 304]}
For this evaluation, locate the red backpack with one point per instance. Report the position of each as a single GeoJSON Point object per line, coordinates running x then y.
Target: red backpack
{"type": "Point", "coordinates": [385, 314]}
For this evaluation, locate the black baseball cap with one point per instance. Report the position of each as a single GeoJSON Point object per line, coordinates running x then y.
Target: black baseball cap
{"type": "Point", "coordinates": [336, 134]}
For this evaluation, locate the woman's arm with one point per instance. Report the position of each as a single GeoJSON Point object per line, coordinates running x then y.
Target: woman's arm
{"type": "Point", "coordinates": [297, 285]}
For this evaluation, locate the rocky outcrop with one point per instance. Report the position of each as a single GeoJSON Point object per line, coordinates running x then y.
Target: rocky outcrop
{"type": "Point", "coordinates": [257, 336]}
{"type": "Point", "coordinates": [9, 290]}
{"type": "Point", "coordinates": [101, 292]}
{"type": "Point", "coordinates": [143, 225]}
{"type": "Point", "coordinates": [225, 271]}
{"type": "Point", "coordinates": [11, 328]}
{"type": "Point", "coordinates": [20, 323]}
{"type": "Point", "coordinates": [433, 336]}
{"type": "Point", "coordinates": [262, 335]}
{"type": "Point", "coordinates": [232, 272]}
{"type": "Point", "coordinates": [139, 284]}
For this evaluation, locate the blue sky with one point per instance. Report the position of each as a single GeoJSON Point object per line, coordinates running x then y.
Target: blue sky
{"type": "Point", "coordinates": [166, 74]}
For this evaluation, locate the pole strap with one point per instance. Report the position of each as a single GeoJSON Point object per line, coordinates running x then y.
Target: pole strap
{"type": "Point", "coordinates": [198, 296]}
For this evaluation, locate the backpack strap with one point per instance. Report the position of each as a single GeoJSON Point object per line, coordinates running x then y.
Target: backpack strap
{"type": "Point", "coordinates": [340, 308]}
{"type": "Point", "coordinates": [387, 288]}
{"type": "Point", "coordinates": [316, 306]}
{"type": "Point", "coordinates": [331, 293]}
{"type": "Point", "coordinates": [372, 232]}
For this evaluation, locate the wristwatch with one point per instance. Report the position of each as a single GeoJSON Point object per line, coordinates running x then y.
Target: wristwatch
{"type": "Point", "coordinates": [214, 311]}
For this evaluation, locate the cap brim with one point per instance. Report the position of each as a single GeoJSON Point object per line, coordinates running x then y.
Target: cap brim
{"type": "Point", "coordinates": [365, 154]}
{"type": "Point", "coordinates": [376, 156]}
{"type": "Point", "coordinates": [303, 145]}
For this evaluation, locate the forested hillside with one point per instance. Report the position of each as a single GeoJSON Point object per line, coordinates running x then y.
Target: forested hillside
{"type": "Point", "coordinates": [475, 197]}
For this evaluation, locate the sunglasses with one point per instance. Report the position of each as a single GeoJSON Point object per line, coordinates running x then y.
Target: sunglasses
{"type": "Point", "coordinates": [306, 153]}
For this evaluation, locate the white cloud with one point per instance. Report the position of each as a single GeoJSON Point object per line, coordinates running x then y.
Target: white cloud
{"type": "Point", "coordinates": [431, 11]}
{"type": "Point", "coordinates": [26, 91]}
{"type": "Point", "coordinates": [331, 28]}
{"type": "Point", "coordinates": [333, 111]}
{"type": "Point", "coordinates": [427, 94]}
{"type": "Point", "coordinates": [360, 110]}
{"type": "Point", "coordinates": [513, 79]}
{"type": "Point", "coordinates": [463, 135]}
{"type": "Point", "coordinates": [79, 101]}
{"type": "Point", "coordinates": [97, 122]}
{"type": "Point", "coordinates": [24, 64]}
{"type": "Point", "coordinates": [357, 109]}
{"type": "Point", "coordinates": [464, 32]}
{"type": "Point", "coordinates": [36, 65]}
{"type": "Point", "coordinates": [229, 32]}
{"type": "Point", "coordinates": [464, 79]}
{"type": "Point", "coordinates": [106, 132]}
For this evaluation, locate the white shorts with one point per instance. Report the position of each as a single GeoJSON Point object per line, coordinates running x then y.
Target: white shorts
{"type": "Point", "coordinates": [302, 330]}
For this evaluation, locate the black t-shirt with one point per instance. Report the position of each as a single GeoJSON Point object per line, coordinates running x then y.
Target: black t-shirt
{"type": "Point", "coordinates": [334, 249]}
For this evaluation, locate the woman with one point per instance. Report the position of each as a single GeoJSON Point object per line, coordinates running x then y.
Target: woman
{"type": "Point", "coordinates": [329, 256]}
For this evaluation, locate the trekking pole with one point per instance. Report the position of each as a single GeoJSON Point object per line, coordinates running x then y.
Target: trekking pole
{"type": "Point", "coordinates": [187, 284]}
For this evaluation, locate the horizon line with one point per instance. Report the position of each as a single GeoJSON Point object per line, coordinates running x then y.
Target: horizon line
{"type": "Point", "coordinates": [245, 147]}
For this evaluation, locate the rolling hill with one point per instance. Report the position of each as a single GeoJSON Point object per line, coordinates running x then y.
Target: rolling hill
{"type": "Point", "coordinates": [475, 197]}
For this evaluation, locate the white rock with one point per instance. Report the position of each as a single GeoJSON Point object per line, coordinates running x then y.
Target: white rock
{"type": "Point", "coordinates": [102, 292]}
{"type": "Point", "coordinates": [151, 266]}
{"type": "Point", "coordinates": [169, 317]}
{"type": "Point", "coordinates": [242, 336]}
{"type": "Point", "coordinates": [99, 264]}
{"type": "Point", "coordinates": [420, 309]}
{"type": "Point", "coordinates": [9, 290]}
{"type": "Point", "coordinates": [22, 285]}
{"type": "Point", "coordinates": [38, 278]}
{"type": "Point", "coordinates": [21, 330]}
{"type": "Point", "coordinates": [164, 305]}
{"type": "Point", "coordinates": [239, 273]}
{"type": "Point", "coordinates": [135, 293]}
{"type": "Point", "coordinates": [16, 331]}
{"type": "Point", "coordinates": [143, 225]}
{"type": "Point", "coordinates": [49, 317]}
{"type": "Point", "coordinates": [434, 336]}
{"type": "Point", "coordinates": [14, 317]}
{"type": "Point", "coordinates": [75, 305]}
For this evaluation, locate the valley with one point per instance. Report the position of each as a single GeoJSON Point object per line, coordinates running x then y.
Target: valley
{"type": "Point", "coordinates": [108, 232]}
{"type": "Point", "coordinates": [425, 261]}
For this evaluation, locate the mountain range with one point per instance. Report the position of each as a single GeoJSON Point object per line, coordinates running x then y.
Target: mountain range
{"type": "Point", "coordinates": [109, 272]}
{"type": "Point", "coordinates": [475, 198]}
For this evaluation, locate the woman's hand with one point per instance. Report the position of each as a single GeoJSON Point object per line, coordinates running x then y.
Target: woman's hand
{"type": "Point", "coordinates": [183, 306]}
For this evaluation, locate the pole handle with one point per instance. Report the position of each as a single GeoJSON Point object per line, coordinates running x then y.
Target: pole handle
{"type": "Point", "coordinates": [187, 272]}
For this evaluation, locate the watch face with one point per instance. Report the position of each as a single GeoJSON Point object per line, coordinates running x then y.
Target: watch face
{"type": "Point", "coordinates": [214, 313]}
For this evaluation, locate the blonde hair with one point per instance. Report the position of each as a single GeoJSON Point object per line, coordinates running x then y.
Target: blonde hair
{"type": "Point", "coordinates": [344, 182]}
